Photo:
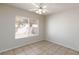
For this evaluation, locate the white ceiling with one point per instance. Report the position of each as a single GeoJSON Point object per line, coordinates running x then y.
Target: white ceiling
{"type": "Point", "coordinates": [51, 7]}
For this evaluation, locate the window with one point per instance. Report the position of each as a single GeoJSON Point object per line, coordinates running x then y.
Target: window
{"type": "Point", "coordinates": [25, 27]}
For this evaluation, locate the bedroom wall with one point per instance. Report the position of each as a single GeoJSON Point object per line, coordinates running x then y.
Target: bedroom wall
{"type": "Point", "coordinates": [63, 28]}
{"type": "Point", "coordinates": [7, 27]}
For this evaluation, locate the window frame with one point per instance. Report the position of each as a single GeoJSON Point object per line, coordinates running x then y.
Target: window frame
{"type": "Point", "coordinates": [29, 35]}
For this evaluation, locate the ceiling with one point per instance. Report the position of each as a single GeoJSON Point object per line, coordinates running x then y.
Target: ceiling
{"type": "Point", "coordinates": [51, 7]}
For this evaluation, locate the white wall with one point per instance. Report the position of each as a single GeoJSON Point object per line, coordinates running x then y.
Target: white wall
{"type": "Point", "coordinates": [63, 28]}
{"type": "Point", "coordinates": [7, 27]}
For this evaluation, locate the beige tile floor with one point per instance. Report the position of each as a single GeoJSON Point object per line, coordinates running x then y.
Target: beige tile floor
{"type": "Point", "coordinates": [41, 48]}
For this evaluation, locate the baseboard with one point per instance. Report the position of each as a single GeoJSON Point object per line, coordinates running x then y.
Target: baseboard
{"type": "Point", "coordinates": [62, 45]}
{"type": "Point", "coordinates": [38, 41]}
{"type": "Point", "coordinates": [20, 46]}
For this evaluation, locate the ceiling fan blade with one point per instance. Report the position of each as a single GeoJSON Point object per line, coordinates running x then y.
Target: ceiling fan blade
{"type": "Point", "coordinates": [32, 9]}
{"type": "Point", "coordinates": [35, 5]}
{"type": "Point", "coordinates": [44, 6]}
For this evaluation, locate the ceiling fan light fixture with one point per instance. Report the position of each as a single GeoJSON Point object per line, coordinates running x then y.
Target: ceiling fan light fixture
{"type": "Point", "coordinates": [40, 8]}
{"type": "Point", "coordinates": [40, 11]}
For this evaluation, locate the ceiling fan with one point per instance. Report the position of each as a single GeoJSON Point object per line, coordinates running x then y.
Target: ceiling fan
{"type": "Point", "coordinates": [40, 8]}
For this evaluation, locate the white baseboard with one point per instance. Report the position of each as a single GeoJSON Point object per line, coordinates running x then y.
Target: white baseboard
{"type": "Point", "coordinates": [62, 45]}
{"type": "Point", "coordinates": [20, 45]}
{"type": "Point", "coordinates": [37, 41]}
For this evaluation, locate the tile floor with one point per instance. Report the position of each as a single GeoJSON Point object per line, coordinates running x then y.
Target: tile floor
{"type": "Point", "coordinates": [41, 48]}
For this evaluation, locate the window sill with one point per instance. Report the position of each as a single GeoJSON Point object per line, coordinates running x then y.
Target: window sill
{"type": "Point", "coordinates": [21, 37]}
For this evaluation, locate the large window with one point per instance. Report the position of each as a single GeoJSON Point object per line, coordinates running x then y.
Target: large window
{"type": "Point", "coordinates": [26, 27]}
